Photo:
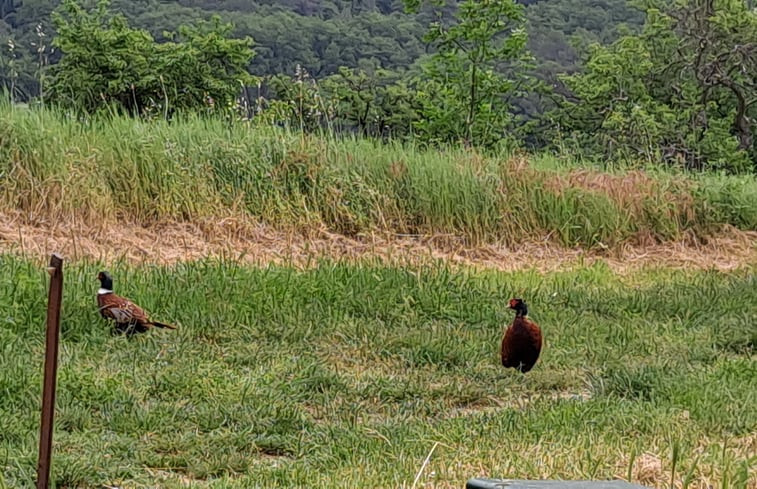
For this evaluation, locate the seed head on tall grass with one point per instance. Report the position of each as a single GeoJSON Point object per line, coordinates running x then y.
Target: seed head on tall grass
{"type": "Point", "coordinates": [197, 168]}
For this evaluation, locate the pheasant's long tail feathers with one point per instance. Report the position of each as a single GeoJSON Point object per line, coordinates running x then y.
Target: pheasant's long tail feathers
{"type": "Point", "coordinates": [162, 325]}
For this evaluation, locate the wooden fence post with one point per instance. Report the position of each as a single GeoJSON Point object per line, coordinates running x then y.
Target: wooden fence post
{"type": "Point", "coordinates": [51, 368]}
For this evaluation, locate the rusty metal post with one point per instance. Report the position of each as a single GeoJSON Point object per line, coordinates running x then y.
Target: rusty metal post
{"type": "Point", "coordinates": [51, 368]}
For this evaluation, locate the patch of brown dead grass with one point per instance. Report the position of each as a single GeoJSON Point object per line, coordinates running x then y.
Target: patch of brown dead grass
{"type": "Point", "coordinates": [653, 470]}
{"type": "Point", "coordinates": [631, 191]}
{"type": "Point", "coordinates": [628, 188]}
{"type": "Point", "coordinates": [254, 243]}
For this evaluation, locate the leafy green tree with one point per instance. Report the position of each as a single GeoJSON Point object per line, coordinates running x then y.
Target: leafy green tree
{"type": "Point", "coordinates": [377, 104]}
{"type": "Point", "coordinates": [104, 60]}
{"type": "Point", "coordinates": [204, 67]}
{"type": "Point", "coordinates": [682, 91]}
{"type": "Point", "coordinates": [718, 47]}
{"type": "Point", "coordinates": [285, 40]}
{"type": "Point", "coordinates": [466, 94]}
{"type": "Point", "coordinates": [559, 33]}
{"type": "Point", "coordinates": [106, 63]}
{"type": "Point", "coordinates": [297, 102]}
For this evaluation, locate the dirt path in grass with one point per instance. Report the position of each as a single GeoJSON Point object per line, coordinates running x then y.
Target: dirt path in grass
{"type": "Point", "coordinates": [260, 244]}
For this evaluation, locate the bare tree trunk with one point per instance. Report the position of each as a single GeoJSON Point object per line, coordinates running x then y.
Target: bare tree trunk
{"type": "Point", "coordinates": [741, 123]}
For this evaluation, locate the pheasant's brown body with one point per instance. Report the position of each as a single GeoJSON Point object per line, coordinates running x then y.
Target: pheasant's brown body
{"type": "Point", "coordinates": [129, 318]}
{"type": "Point", "coordinates": [521, 344]}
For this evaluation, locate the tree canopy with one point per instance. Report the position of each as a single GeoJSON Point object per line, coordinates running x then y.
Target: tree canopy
{"type": "Point", "coordinates": [683, 91]}
{"type": "Point", "coordinates": [107, 63]}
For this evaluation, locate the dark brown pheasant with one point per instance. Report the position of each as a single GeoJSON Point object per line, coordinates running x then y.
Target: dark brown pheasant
{"type": "Point", "coordinates": [129, 318]}
{"type": "Point", "coordinates": [521, 344]}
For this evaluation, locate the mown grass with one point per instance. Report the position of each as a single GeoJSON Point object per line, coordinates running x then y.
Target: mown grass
{"type": "Point", "coordinates": [194, 168]}
{"type": "Point", "coordinates": [346, 375]}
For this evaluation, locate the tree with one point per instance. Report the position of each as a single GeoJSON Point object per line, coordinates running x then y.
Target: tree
{"type": "Point", "coordinates": [682, 91]}
{"type": "Point", "coordinates": [106, 63]}
{"type": "Point", "coordinates": [104, 60]}
{"type": "Point", "coordinates": [377, 104]}
{"type": "Point", "coordinates": [297, 102]}
{"type": "Point", "coordinates": [203, 67]}
{"type": "Point", "coordinates": [466, 94]}
{"type": "Point", "coordinates": [720, 49]}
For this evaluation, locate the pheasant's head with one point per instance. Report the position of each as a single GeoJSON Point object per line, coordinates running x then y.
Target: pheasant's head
{"type": "Point", "coordinates": [106, 281]}
{"type": "Point", "coordinates": [520, 307]}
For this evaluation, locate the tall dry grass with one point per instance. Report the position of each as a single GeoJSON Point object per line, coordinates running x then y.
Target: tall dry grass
{"type": "Point", "coordinates": [53, 167]}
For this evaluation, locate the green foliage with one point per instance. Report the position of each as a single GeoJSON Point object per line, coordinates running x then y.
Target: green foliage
{"type": "Point", "coordinates": [347, 374]}
{"type": "Point", "coordinates": [204, 67]}
{"type": "Point", "coordinates": [378, 104]}
{"type": "Point", "coordinates": [366, 40]}
{"type": "Point", "coordinates": [466, 97]}
{"type": "Point", "coordinates": [680, 92]}
{"type": "Point", "coordinates": [15, 71]}
{"type": "Point", "coordinates": [104, 59]}
{"type": "Point", "coordinates": [364, 56]}
{"type": "Point", "coordinates": [297, 102]}
{"type": "Point", "coordinates": [320, 36]}
{"type": "Point", "coordinates": [24, 52]}
{"type": "Point", "coordinates": [728, 198]}
{"type": "Point", "coordinates": [106, 63]}
{"type": "Point", "coordinates": [557, 36]}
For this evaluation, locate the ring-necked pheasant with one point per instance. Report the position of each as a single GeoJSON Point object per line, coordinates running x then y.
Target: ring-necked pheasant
{"type": "Point", "coordinates": [521, 344]}
{"type": "Point", "coordinates": [129, 318]}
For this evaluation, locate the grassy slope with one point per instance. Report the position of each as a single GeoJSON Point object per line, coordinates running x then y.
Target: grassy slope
{"type": "Point", "coordinates": [53, 168]}
{"type": "Point", "coordinates": [347, 375]}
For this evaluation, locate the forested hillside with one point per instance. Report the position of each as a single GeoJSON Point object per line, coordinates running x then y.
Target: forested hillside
{"type": "Point", "coordinates": [319, 35]}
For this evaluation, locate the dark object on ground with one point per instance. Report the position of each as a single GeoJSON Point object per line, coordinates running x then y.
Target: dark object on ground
{"type": "Point", "coordinates": [548, 484]}
{"type": "Point", "coordinates": [521, 344]}
{"type": "Point", "coordinates": [52, 337]}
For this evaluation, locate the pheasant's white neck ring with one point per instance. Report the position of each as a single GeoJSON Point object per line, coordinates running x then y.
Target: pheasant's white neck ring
{"type": "Point", "coordinates": [102, 291]}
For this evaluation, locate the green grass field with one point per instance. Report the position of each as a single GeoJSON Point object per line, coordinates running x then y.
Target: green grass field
{"type": "Point", "coordinates": [347, 375]}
